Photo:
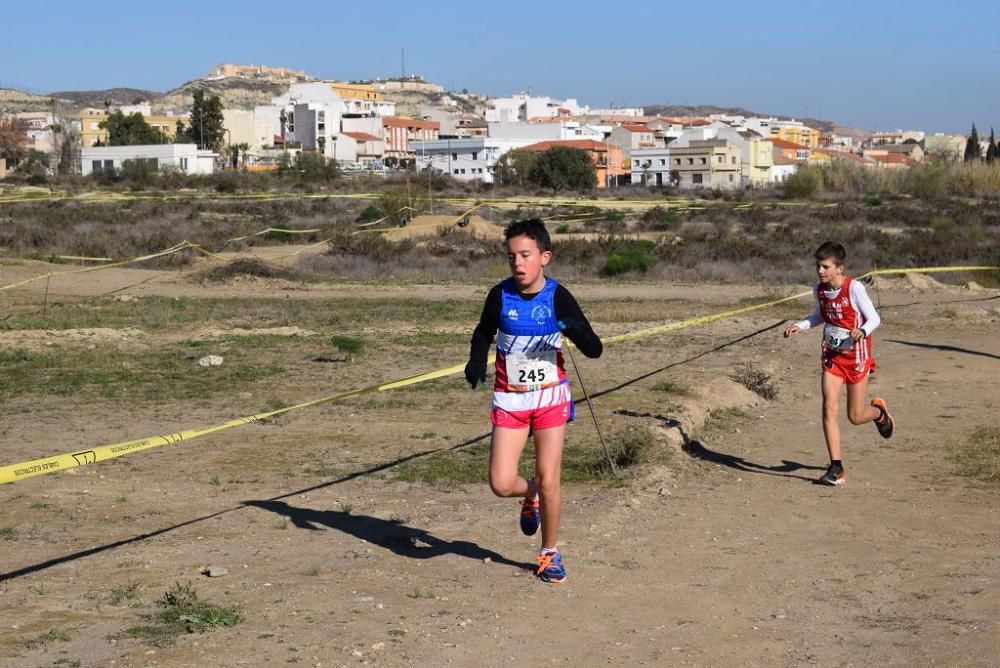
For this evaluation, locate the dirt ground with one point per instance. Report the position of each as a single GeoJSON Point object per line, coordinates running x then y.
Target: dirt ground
{"type": "Point", "coordinates": [723, 552]}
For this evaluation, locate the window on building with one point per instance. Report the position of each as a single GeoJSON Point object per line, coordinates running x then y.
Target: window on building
{"type": "Point", "coordinates": [183, 163]}
{"type": "Point", "coordinates": [454, 156]}
{"type": "Point", "coordinates": [730, 178]}
{"type": "Point", "coordinates": [456, 171]}
{"type": "Point", "coordinates": [463, 170]}
{"type": "Point", "coordinates": [95, 165]}
{"type": "Point", "coordinates": [635, 163]}
{"type": "Point", "coordinates": [691, 161]}
{"type": "Point", "coordinates": [475, 155]}
{"type": "Point", "coordinates": [704, 161]}
{"type": "Point", "coordinates": [109, 164]}
{"type": "Point", "coordinates": [696, 178]}
{"type": "Point", "coordinates": [677, 161]}
{"type": "Point", "coordinates": [733, 159]}
{"type": "Point", "coordinates": [663, 161]}
{"type": "Point", "coordinates": [722, 159]}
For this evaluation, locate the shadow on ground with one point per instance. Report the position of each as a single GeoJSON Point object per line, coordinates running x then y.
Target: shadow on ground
{"type": "Point", "coordinates": [697, 450]}
{"type": "Point", "coordinates": [392, 535]}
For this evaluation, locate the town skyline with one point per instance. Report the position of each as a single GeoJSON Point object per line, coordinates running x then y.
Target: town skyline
{"type": "Point", "coordinates": [896, 65]}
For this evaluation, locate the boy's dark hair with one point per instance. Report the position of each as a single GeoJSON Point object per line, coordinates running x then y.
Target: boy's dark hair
{"type": "Point", "coordinates": [831, 250]}
{"type": "Point", "coordinates": [533, 228]}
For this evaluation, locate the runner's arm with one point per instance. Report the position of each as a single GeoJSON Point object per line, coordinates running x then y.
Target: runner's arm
{"type": "Point", "coordinates": [862, 302]}
{"type": "Point", "coordinates": [577, 327]}
{"type": "Point", "coordinates": [489, 321]}
{"type": "Point", "coordinates": [814, 319]}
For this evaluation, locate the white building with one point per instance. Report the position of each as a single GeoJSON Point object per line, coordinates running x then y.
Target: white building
{"type": "Point", "coordinates": [143, 109]}
{"type": "Point", "coordinates": [184, 157]}
{"type": "Point", "coordinates": [463, 159]}
{"type": "Point", "coordinates": [39, 129]}
{"type": "Point", "coordinates": [312, 113]}
{"type": "Point", "coordinates": [783, 168]}
{"type": "Point", "coordinates": [650, 166]}
{"type": "Point", "coordinates": [536, 132]}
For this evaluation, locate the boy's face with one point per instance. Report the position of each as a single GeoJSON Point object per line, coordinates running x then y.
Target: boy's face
{"type": "Point", "coordinates": [526, 263]}
{"type": "Point", "coordinates": [829, 271]}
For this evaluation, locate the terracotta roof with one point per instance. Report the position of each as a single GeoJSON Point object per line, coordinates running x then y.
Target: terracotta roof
{"type": "Point", "coordinates": [784, 143]}
{"type": "Point", "coordinates": [782, 160]}
{"type": "Point", "coordinates": [895, 159]}
{"type": "Point", "coordinates": [404, 122]}
{"type": "Point", "coordinates": [635, 127]}
{"type": "Point", "coordinates": [361, 136]}
{"type": "Point", "coordinates": [585, 144]}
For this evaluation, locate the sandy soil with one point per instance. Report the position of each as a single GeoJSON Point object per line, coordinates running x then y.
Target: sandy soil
{"type": "Point", "coordinates": [727, 554]}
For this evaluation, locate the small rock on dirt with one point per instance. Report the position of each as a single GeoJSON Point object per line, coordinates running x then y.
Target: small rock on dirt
{"type": "Point", "coordinates": [216, 571]}
{"type": "Point", "coordinates": [210, 360]}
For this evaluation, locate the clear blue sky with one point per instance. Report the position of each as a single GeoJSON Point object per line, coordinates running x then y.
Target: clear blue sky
{"type": "Point", "coordinates": [877, 64]}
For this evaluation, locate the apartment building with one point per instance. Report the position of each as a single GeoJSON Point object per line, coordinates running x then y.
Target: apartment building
{"type": "Point", "coordinates": [399, 131]}
{"type": "Point", "coordinates": [88, 124]}
{"type": "Point", "coordinates": [706, 163]}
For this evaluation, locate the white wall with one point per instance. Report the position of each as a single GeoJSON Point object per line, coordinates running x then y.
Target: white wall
{"type": "Point", "coordinates": [266, 125]}
{"type": "Point", "coordinates": [186, 157]}
{"type": "Point", "coordinates": [658, 171]}
{"type": "Point", "coordinates": [240, 123]}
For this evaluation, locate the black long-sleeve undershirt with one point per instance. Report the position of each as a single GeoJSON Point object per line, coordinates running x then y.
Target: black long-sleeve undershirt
{"type": "Point", "coordinates": [567, 310]}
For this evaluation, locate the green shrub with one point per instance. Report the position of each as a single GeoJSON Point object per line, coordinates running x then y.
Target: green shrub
{"type": "Point", "coordinates": [369, 214]}
{"type": "Point", "coordinates": [804, 183]}
{"type": "Point", "coordinates": [636, 258]}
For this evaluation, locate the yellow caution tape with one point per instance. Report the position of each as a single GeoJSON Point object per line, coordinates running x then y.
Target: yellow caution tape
{"type": "Point", "coordinates": [184, 245]}
{"type": "Point", "coordinates": [273, 229]}
{"type": "Point", "coordinates": [81, 258]}
{"type": "Point", "coordinates": [15, 472]}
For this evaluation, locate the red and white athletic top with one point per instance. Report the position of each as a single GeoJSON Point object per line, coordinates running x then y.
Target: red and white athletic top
{"type": "Point", "coordinates": [842, 310]}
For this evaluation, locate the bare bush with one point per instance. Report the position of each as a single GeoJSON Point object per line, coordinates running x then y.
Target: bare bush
{"type": "Point", "coordinates": [755, 379]}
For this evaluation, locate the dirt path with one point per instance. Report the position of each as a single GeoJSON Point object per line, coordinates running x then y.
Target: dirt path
{"type": "Point", "coordinates": [732, 557]}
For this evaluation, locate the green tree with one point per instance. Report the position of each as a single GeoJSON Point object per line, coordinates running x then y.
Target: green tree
{"type": "Point", "coordinates": [991, 150]}
{"type": "Point", "coordinates": [562, 167]}
{"type": "Point", "coordinates": [131, 130]}
{"type": "Point", "coordinates": [235, 151]}
{"type": "Point", "coordinates": [972, 151]}
{"type": "Point", "coordinates": [514, 166]}
{"type": "Point", "coordinates": [313, 166]}
{"type": "Point", "coordinates": [206, 128]}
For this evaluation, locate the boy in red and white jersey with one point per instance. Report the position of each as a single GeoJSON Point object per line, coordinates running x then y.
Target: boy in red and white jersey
{"type": "Point", "coordinates": [849, 318]}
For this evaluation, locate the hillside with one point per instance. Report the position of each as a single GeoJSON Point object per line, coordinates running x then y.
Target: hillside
{"type": "Point", "coordinates": [707, 109]}
{"type": "Point", "coordinates": [98, 98]}
{"type": "Point", "coordinates": [15, 101]}
{"type": "Point", "coordinates": [235, 92]}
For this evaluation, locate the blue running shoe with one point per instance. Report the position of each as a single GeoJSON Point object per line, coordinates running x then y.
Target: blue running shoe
{"type": "Point", "coordinates": [531, 515]}
{"type": "Point", "coordinates": [550, 567]}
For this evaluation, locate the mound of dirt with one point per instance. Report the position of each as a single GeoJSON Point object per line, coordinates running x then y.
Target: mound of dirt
{"type": "Point", "coordinates": [427, 225]}
{"type": "Point", "coordinates": [912, 283]}
{"type": "Point", "coordinates": [241, 268]}
{"type": "Point", "coordinates": [214, 333]}
{"type": "Point", "coordinates": [34, 339]}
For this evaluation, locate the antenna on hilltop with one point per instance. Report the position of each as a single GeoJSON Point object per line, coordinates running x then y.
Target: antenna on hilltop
{"type": "Point", "coordinates": [402, 57]}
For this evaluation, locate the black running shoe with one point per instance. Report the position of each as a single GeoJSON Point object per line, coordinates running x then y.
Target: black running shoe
{"type": "Point", "coordinates": [885, 424]}
{"type": "Point", "coordinates": [835, 475]}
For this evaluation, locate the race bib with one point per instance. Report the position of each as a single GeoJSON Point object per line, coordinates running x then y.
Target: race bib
{"type": "Point", "coordinates": [532, 371]}
{"type": "Point", "coordinates": [837, 338]}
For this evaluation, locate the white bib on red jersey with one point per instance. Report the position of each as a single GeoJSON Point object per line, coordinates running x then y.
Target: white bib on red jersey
{"type": "Point", "coordinates": [840, 316]}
